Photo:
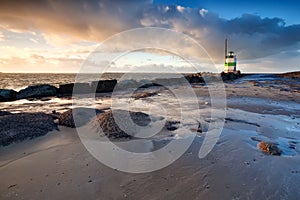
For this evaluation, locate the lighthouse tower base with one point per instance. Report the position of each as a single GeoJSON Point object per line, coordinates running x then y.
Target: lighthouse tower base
{"type": "Point", "coordinates": [227, 76]}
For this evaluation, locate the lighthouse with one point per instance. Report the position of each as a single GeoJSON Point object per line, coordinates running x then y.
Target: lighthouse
{"type": "Point", "coordinates": [230, 61]}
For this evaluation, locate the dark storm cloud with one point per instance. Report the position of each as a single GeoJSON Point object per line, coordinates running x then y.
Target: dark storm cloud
{"type": "Point", "coordinates": [249, 35]}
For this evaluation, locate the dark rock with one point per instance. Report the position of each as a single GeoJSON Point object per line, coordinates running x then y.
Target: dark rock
{"type": "Point", "coordinates": [269, 148]}
{"type": "Point", "coordinates": [210, 77]}
{"type": "Point", "coordinates": [125, 84]}
{"type": "Point", "coordinates": [111, 129]}
{"type": "Point", "coordinates": [147, 84]}
{"type": "Point", "coordinates": [199, 129]}
{"type": "Point", "coordinates": [2, 113]}
{"type": "Point", "coordinates": [295, 74]}
{"type": "Point", "coordinates": [76, 88]}
{"type": "Point", "coordinates": [170, 81]}
{"type": "Point", "coordinates": [7, 95]}
{"type": "Point", "coordinates": [172, 125]}
{"type": "Point", "coordinates": [21, 126]}
{"type": "Point", "coordinates": [37, 91]}
{"type": "Point", "coordinates": [83, 116]}
{"type": "Point", "coordinates": [103, 86]}
{"type": "Point", "coordinates": [231, 76]}
{"type": "Point", "coordinates": [195, 78]}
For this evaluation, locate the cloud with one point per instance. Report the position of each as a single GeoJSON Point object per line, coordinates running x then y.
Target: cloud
{"type": "Point", "coordinates": [62, 23]}
{"type": "Point", "coordinates": [203, 12]}
{"type": "Point", "coordinates": [249, 35]}
{"type": "Point", "coordinates": [43, 60]}
{"type": "Point", "coordinates": [180, 9]}
{"type": "Point", "coordinates": [2, 37]}
{"type": "Point", "coordinates": [90, 20]}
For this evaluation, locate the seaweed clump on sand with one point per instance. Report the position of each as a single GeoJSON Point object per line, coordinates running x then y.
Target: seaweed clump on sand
{"type": "Point", "coordinates": [269, 148]}
{"type": "Point", "coordinates": [21, 126]}
{"type": "Point", "coordinates": [82, 117]}
{"type": "Point", "coordinates": [110, 128]}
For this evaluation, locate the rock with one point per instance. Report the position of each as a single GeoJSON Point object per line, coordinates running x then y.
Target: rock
{"type": "Point", "coordinates": [231, 76]}
{"type": "Point", "coordinates": [21, 126]}
{"type": "Point", "coordinates": [103, 86]}
{"type": "Point", "coordinates": [2, 113]}
{"type": "Point", "coordinates": [125, 84]}
{"type": "Point", "coordinates": [195, 78]}
{"type": "Point", "coordinates": [111, 129]}
{"type": "Point", "coordinates": [37, 91]}
{"type": "Point", "coordinates": [172, 125]}
{"type": "Point", "coordinates": [199, 129]}
{"type": "Point", "coordinates": [295, 74]}
{"type": "Point", "coordinates": [83, 116]}
{"type": "Point", "coordinates": [211, 77]}
{"type": "Point", "coordinates": [76, 88]}
{"type": "Point", "coordinates": [147, 83]}
{"type": "Point", "coordinates": [7, 95]}
{"type": "Point", "coordinates": [170, 81]}
{"type": "Point", "coordinates": [269, 148]}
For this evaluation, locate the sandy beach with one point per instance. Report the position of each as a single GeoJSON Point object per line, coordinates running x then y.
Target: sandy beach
{"type": "Point", "coordinates": [58, 166]}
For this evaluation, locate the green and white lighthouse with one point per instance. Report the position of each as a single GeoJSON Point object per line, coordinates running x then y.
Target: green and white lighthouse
{"type": "Point", "coordinates": [230, 61]}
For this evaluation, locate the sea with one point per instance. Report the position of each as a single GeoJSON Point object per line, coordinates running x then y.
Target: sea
{"type": "Point", "coordinates": [18, 81]}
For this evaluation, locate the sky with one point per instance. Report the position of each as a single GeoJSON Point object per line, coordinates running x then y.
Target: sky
{"type": "Point", "coordinates": [51, 36]}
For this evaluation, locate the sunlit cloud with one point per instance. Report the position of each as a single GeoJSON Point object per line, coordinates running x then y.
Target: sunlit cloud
{"type": "Point", "coordinates": [63, 33]}
{"type": "Point", "coordinates": [1, 37]}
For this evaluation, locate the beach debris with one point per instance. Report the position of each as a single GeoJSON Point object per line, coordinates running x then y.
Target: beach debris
{"type": "Point", "coordinates": [292, 144]}
{"type": "Point", "coordinates": [21, 126]}
{"type": "Point", "coordinates": [55, 114]}
{"type": "Point", "coordinates": [240, 121]}
{"type": "Point", "coordinates": [295, 171]}
{"type": "Point", "coordinates": [246, 163]}
{"type": "Point", "coordinates": [112, 130]}
{"type": "Point", "coordinates": [269, 148]}
{"type": "Point", "coordinates": [140, 95]}
{"type": "Point", "coordinates": [11, 186]}
{"type": "Point", "coordinates": [83, 116]}
{"type": "Point", "coordinates": [172, 125]}
{"type": "Point", "coordinates": [36, 91]}
{"type": "Point", "coordinates": [198, 129]}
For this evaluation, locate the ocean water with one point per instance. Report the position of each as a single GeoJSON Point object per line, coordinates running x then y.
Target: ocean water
{"type": "Point", "coordinates": [18, 81]}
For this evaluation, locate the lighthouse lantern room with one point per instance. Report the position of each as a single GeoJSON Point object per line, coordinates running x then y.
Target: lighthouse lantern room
{"type": "Point", "coordinates": [230, 61]}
